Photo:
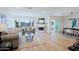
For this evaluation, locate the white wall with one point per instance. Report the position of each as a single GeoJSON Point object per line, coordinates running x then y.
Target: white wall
{"type": "Point", "coordinates": [36, 13]}
{"type": "Point", "coordinates": [11, 19]}
{"type": "Point", "coordinates": [17, 13]}
{"type": "Point", "coordinates": [57, 18]}
{"type": "Point", "coordinates": [67, 22]}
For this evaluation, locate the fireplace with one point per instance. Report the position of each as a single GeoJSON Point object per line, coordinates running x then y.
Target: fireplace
{"type": "Point", "coordinates": [41, 28]}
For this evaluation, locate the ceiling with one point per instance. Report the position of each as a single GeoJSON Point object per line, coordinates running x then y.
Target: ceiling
{"type": "Point", "coordinates": [40, 11]}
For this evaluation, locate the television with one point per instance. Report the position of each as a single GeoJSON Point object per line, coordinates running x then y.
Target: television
{"type": "Point", "coordinates": [41, 28]}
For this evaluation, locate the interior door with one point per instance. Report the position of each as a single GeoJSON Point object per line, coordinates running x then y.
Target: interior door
{"type": "Point", "coordinates": [53, 25]}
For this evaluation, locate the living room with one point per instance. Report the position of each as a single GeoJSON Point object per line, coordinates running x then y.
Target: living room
{"type": "Point", "coordinates": [38, 28]}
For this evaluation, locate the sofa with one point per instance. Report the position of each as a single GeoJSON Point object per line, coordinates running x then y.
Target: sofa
{"type": "Point", "coordinates": [9, 39]}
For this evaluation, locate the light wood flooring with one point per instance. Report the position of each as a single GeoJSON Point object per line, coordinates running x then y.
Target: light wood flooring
{"type": "Point", "coordinates": [46, 42]}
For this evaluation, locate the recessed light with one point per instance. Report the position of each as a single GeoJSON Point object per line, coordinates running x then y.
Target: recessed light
{"type": "Point", "coordinates": [17, 7]}
{"type": "Point", "coordinates": [29, 7]}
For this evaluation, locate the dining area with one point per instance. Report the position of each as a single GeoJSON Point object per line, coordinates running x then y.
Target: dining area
{"type": "Point", "coordinates": [71, 31]}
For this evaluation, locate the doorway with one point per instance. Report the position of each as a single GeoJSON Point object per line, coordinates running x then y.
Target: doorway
{"type": "Point", "coordinates": [53, 25]}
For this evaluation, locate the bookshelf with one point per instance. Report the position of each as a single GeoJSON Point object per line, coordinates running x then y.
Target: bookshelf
{"type": "Point", "coordinates": [41, 24]}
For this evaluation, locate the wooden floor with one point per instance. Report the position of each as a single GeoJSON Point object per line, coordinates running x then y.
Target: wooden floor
{"type": "Point", "coordinates": [46, 42]}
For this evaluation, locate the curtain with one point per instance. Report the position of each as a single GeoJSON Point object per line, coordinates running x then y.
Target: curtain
{"type": "Point", "coordinates": [74, 23]}
{"type": "Point", "coordinates": [57, 25]}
